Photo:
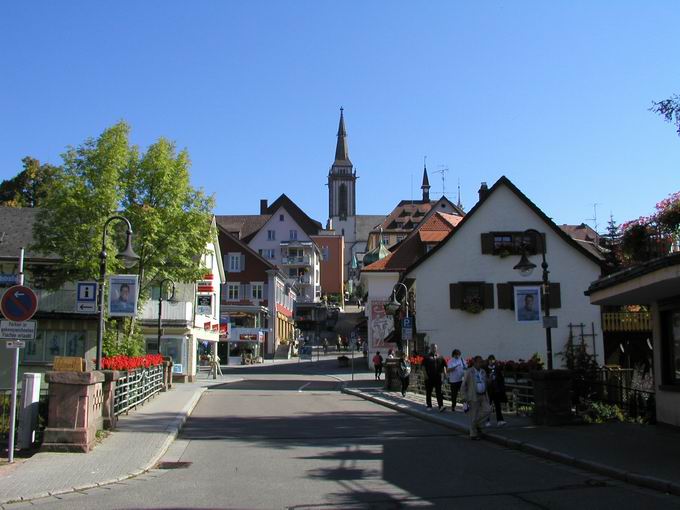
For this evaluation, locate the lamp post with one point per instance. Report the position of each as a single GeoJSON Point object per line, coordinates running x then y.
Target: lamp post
{"type": "Point", "coordinates": [160, 307]}
{"type": "Point", "coordinates": [525, 268]}
{"type": "Point", "coordinates": [129, 259]}
{"type": "Point", "coordinates": [395, 305]}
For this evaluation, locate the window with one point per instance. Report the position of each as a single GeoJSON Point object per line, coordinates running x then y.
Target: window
{"type": "Point", "coordinates": [51, 343]}
{"type": "Point", "coordinates": [256, 290]}
{"type": "Point", "coordinates": [233, 291]}
{"type": "Point", "coordinates": [509, 243]}
{"type": "Point", "coordinates": [401, 237]}
{"type": "Point", "coordinates": [271, 235]}
{"type": "Point", "coordinates": [324, 253]}
{"type": "Point", "coordinates": [269, 253]}
{"type": "Point", "coordinates": [281, 217]}
{"type": "Point", "coordinates": [670, 355]}
{"type": "Point", "coordinates": [428, 247]}
{"type": "Point", "coordinates": [386, 240]}
{"type": "Point", "coordinates": [234, 265]}
{"type": "Point", "coordinates": [293, 235]}
{"type": "Point", "coordinates": [472, 297]}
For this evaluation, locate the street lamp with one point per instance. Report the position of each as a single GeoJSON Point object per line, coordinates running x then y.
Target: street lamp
{"type": "Point", "coordinates": [129, 258]}
{"type": "Point", "coordinates": [525, 268]}
{"type": "Point", "coordinates": [160, 307]}
{"type": "Point", "coordinates": [395, 305]}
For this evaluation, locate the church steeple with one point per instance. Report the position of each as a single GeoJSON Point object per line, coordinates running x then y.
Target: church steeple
{"type": "Point", "coordinates": [341, 148]}
{"type": "Point", "coordinates": [426, 183]}
{"type": "Point", "coordinates": [342, 178]}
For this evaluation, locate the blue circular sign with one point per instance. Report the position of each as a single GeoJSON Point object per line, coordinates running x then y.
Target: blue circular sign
{"type": "Point", "coordinates": [19, 303]}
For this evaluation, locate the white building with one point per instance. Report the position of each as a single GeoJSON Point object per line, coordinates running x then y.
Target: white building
{"type": "Point", "coordinates": [466, 289]}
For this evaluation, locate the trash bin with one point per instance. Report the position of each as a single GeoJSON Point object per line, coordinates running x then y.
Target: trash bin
{"type": "Point", "coordinates": [391, 370]}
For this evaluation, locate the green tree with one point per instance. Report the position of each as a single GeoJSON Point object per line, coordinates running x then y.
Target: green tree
{"type": "Point", "coordinates": [30, 186]}
{"type": "Point", "coordinates": [669, 109]}
{"type": "Point", "coordinates": [170, 219]}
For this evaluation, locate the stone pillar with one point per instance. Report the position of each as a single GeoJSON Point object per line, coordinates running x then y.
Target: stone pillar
{"type": "Point", "coordinates": [75, 411]}
{"type": "Point", "coordinates": [108, 389]}
{"type": "Point", "coordinates": [167, 373]}
{"type": "Point", "coordinates": [552, 397]}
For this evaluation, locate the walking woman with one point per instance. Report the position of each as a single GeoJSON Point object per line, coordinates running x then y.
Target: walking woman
{"type": "Point", "coordinates": [378, 365]}
{"type": "Point", "coordinates": [404, 373]}
{"type": "Point", "coordinates": [496, 389]}
{"type": "Point", "coordinates": [455, 370]}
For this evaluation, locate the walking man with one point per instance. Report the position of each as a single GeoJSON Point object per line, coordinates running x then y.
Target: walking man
{"type": "Point", "coordinates": [404, 373]}
{"type": "Point", "coordinates": [455, 370]}
{"type": "Point", "coordinates": [435, 366]}
{"type": "Point", "coordinates": [473, 390]}
{"type": "Point", "coordinates": [378, 365]}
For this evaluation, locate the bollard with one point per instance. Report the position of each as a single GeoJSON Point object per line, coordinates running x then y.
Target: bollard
{"type": "Point", "coordinates": [28, 412]}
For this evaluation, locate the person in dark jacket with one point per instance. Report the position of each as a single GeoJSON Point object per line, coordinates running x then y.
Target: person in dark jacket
{"type": "Point", "coordinates": [495, 387]}
{"type": "Point", "coordinates": [435, 366]}
{"type": "Point", "coordinates": [404, 373]}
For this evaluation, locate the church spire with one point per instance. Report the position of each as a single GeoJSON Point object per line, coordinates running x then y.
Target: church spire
{"type": "Point", "coordinates": [341, 149]}
{"type": "Point", "coordinates": [426, 182]}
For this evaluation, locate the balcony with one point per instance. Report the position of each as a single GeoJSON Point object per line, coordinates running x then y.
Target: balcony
{"type": "Point", "coordinates": [626, 321]}
{"type": "Point", "coordinates": [300, 280]}
{"type": "Point", "coordinates": [181, 311]}
{"type": "Point", "coordinates": [296, 261]}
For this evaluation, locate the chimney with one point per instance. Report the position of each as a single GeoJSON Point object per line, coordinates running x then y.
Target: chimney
{"type": "Point", "coordinates": [263, 206]}
{"type": "Point", "coordinates": [483, 191]}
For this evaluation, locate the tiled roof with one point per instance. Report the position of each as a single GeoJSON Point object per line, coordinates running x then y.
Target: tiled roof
{"type": "Point", "coordinates": [243, 226]}
{"type": "Point", "coordinates": [581, 232]}
{"type": "Point", "coordinates": [16, 232]}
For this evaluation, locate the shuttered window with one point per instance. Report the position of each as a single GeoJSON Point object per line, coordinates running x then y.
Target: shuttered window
{"type": "Point", "coordinates": [465, 294]}
{"type": "Point", "coordinates": [506, 294]}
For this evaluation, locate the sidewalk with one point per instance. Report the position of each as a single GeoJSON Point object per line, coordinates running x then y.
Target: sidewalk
{"type": "Point", "coordinates": [135, 446]}
{"type": "Point", "coordinates": [645, 455]}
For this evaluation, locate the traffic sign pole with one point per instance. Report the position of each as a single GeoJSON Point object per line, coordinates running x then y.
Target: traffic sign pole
{"type": "Point", "coordinates": [15, 373]}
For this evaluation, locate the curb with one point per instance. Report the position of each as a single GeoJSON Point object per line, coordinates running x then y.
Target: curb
{"type": "Point", "coordinates": [648, 482]}
{"type": "Point", "coordinates": [172, 430]}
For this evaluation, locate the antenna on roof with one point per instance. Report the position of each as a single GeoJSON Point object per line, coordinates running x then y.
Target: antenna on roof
{"type": "Point", "coordinates": [594, 218]}
{"type": "Point", "coordinates": [443, 170]}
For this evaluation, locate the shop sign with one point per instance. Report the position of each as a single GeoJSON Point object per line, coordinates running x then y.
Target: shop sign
{"type": "Point", "coordinates": [204, 304]}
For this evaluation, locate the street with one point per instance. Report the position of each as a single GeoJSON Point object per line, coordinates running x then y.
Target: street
{"type": "Point", "coordinates": [285, 437]}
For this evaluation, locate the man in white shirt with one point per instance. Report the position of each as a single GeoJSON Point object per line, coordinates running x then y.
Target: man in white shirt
{"type": "Point", "coordinates": [455, 369]}
{"type": "Point", "coordinates": [474, 393]}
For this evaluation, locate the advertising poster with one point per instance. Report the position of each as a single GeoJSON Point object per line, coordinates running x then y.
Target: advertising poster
{"type": "Point", "coordinates": [123, 295]}
{"type": "Point", "coordinates": [204, 304]}
{"type": "Point", "coordinates": [381, 324]}
{"type": "Point", "coordinates": [528, 304]}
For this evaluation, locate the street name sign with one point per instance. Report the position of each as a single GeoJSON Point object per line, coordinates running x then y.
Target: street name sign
{"type": "Point", "coordinates": [12, 330]}
{"type": "Point", "coordinates": [19, 303]}
{"type": "Point", "coordinates": [15, 344]}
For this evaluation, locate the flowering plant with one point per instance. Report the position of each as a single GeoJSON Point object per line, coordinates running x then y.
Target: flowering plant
{"type": "Point", "coordinates": [472, 304]}
{"type": "Point", "coordinates": [122, 362]}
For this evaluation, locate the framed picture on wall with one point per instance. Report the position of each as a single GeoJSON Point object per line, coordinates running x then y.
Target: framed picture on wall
{"type": "Point", "coordinates": [528, 304]}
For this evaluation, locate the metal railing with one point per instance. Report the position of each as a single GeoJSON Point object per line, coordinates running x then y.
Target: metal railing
{"type": "Point", "coordinates": [137, 387]}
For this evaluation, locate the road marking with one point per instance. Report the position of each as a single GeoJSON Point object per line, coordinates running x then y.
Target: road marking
{"type": "Point", "coordinates": [303, 387]}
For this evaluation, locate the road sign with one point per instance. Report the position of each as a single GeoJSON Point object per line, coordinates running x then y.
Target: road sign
{"type": "Point", "coordinates": [12, 330]}
{"type": "Point", "coordinates": [19, 303]}
{"type": "Point", "coordinates": [15, 344]}
{"type": "Point", "coordinates": [550, 322]}
{"type": "Point", "coordinates": [407, 333]}
{"type": "Point", "coordinates": [407, 322]}
{"type": "Point", "coordinates": [87, 291]}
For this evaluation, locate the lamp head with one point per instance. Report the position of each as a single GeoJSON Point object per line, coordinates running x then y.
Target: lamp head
{"type": "Point", "coordinates": [525, 266]}
{"type": "Point", "coordinates": [128, 256]}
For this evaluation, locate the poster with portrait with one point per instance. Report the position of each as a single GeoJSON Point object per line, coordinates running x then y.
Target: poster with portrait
{"type": "Point", "coordinates": [123, 295]}
{"type": "Point", "coordinates": [382, 324]}
{"type": "Point", "coordinates": [528, 304]}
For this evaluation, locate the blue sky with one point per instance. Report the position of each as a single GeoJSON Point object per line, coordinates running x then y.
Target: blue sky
{"type": "Point", "coordinates": [554, 95]}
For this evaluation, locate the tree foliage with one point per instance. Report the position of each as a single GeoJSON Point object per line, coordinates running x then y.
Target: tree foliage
{"type": "Point", "coordinates": [30, 186]}
{"type": "Point", "coordinates": [669, 109]}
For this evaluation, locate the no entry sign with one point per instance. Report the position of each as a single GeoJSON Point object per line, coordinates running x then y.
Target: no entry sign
{"type": "Point", "coordinates": [19, 303]}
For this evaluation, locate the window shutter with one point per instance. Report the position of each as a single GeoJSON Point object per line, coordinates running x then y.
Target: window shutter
{"type": "Point", "coordinates": [455, 295]}
{"type": "Point", "coordinates": [555, 297]}
{"type": "Point", "coordinates": [226, 262]}
{"type": "Point", "coordinates": [487, 295]}
{"type": "Point", "coordinates": [487, 244]}
{"type": "Point", "coordinates": [243, 262]}
{"type": "Point", "coordinates": [505, 296]}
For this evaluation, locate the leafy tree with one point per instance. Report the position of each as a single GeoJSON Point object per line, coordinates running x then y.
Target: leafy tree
{"type": "Point", "coordinates": [30, 186]}
{"type": "Point", "coordinates": [170, 219]}
{"type": "Point", "coordinates": [669, 109]}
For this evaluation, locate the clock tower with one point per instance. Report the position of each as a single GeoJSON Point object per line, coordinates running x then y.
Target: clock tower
{"type": "Point", "coordinates": [342, 179]}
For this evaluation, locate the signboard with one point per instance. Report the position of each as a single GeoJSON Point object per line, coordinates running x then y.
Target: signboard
{"type": "Point", "coordinates": [407, 333]}
{"type": "Point", "coordinates": [68, 364]}
{"type": "Point", "coordinates": [15, 344]}
{"type": "Point", "coordinates": [13, 330]}
{"type": "Point", "coordinates": [528, 304]}
{"type": "Point", "coordinates": [204, 304]}
{"type": "Point", "coordinates": [7, 279]}
{"type": "Point", "coordinates": [550, 321]}
{"type": "Point", "coordinates": [19, 303]}
{"type": "Point", "coordinates": [381, 324]}
{"type": "Point", "coordinates": [123, 295]}
{"type": "Point", "coordinates": [177, 368]}
{"type": "Point", "coordinates": [86, 297]}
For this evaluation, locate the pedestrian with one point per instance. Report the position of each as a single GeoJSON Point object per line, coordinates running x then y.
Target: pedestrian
{"type": "Point", "coordinates": [325, 346]}
{"type": "Point", "coordinates": [435, 367]}
{"type": "Point", "coordinates": [390, 354]}
{"type": "Point", "coordinates": [495, 388]}
{"type": "Point", "coordinates": [404, 373]}
{"type": "Point", "coordinates": [455, 370]}
{"type": "Point", "coordinates": [377, 365]}
{"type": "Point", "coordinates": [473, 391]}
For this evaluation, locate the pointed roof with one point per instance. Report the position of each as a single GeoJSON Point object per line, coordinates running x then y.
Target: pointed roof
{"type": "Point", "coordinates": [342, 149]}
{"type": "Point", "coordinates": [426, 181]}
{"type": "Point", "coordinates": [308, 225]}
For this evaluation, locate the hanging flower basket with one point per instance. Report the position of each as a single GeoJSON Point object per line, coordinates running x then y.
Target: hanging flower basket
{"type": "Point", "coordinates": [472, 305]}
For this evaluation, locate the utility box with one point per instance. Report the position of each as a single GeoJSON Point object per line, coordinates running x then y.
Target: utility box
{"type": "Point", "coordinates": [28, 410]}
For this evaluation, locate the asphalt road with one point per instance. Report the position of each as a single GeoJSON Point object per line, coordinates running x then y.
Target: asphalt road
{"type": "Point", "coordinates": [286, 438]}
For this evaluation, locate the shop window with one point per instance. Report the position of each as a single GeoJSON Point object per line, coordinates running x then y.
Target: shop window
{"type": "Point", "coordinates": [51, 343]}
